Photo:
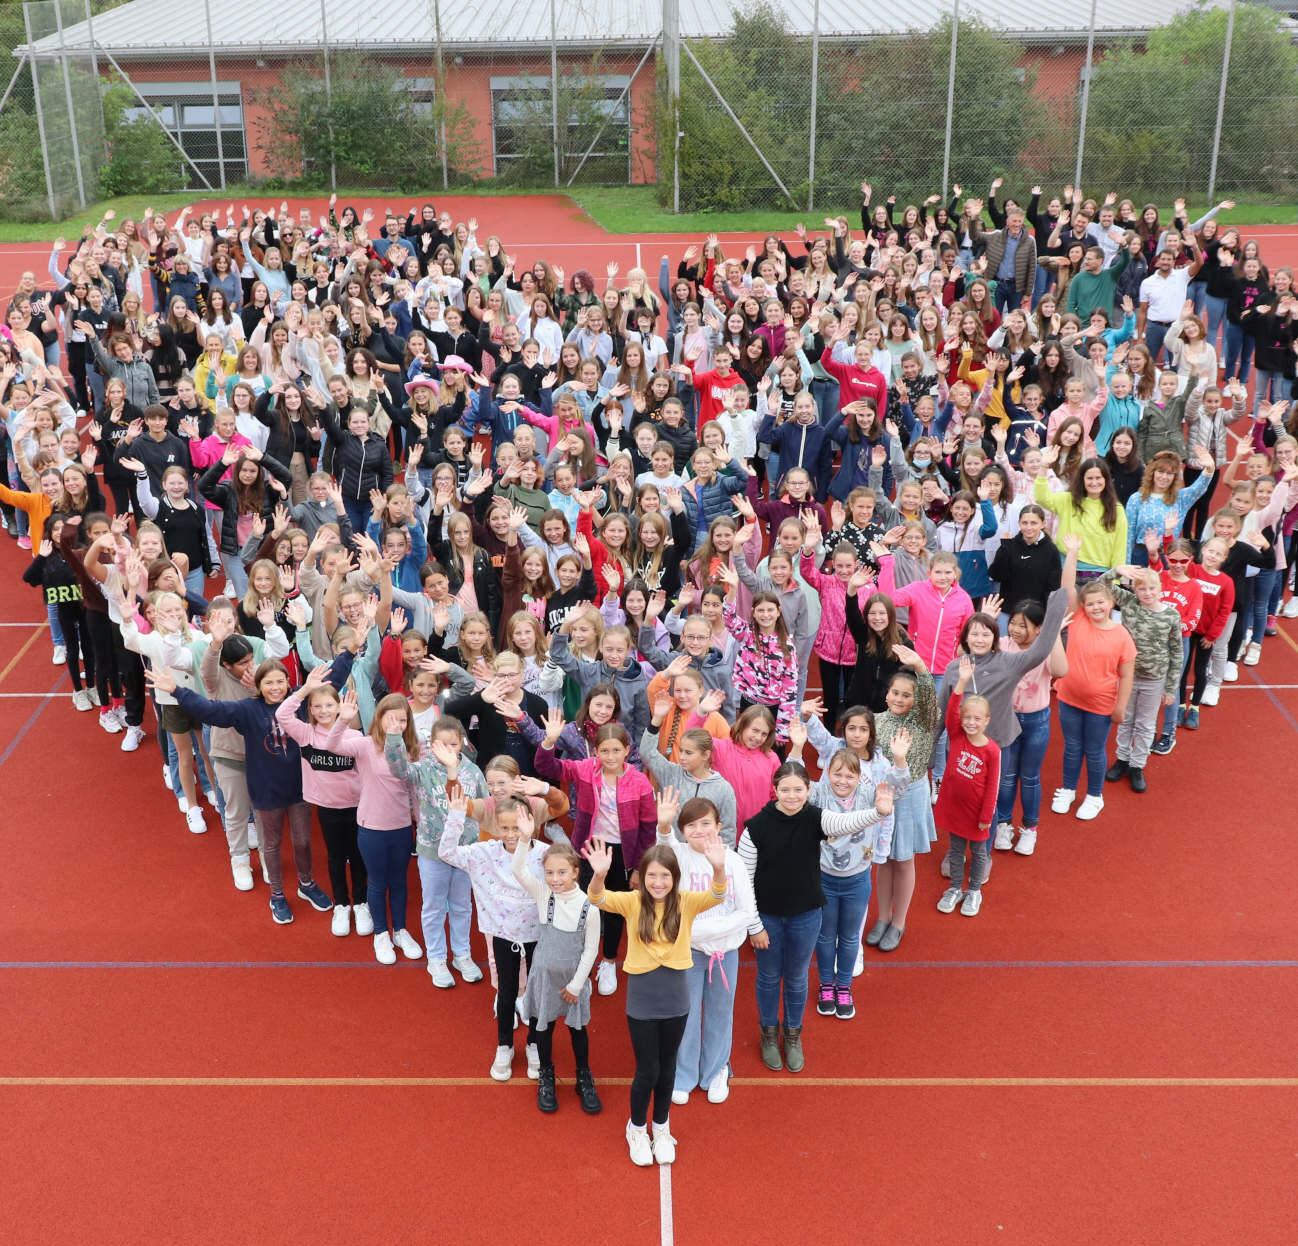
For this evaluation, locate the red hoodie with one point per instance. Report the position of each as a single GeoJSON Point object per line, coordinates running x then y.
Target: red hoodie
{"type": "Point", "coordinates": [1218, 601]}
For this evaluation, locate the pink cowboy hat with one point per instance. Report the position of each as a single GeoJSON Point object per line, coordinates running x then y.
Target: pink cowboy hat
{"type": "Point", "coordinates": [422, 382]}
{"type": "Point", "coordinates": [456, 364]}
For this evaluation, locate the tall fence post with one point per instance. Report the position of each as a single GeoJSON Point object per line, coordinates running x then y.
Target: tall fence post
{"type": "Point", "coordinates": [72, 112]}
{"type": "Point", "coordinates": [40, 115]}
{"type": "Point", "coordinates": [554, 87]}
{"type": "Point", "coordinates": [950, 97]}
{"type": "Point", "coordinates": [1087, 70]}
{"type": "Point", "coordinates": [440, 94]}
{"type": "Point", "coordinates": [815, 93]}
{"type": "Point", "coordinates": [329, 94]}
{"type": "Point", "coordinates": [94, 69]}
{"type": "Point", "coordinates": [1221, 101]}
{"type": "Point", "coordinates": [672, 57]}
{"type": "Point", "coordinates": [216, 97]}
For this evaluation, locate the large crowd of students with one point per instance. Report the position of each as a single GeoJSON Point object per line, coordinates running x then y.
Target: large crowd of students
{"type": "Point", "coordinates": [523, 572]}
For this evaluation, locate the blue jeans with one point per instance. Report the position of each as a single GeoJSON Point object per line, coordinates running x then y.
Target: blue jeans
{"type": "Point", "coordinates": [826, 395]}
{"type": "Point", "coordinates": [942, 745]}
{"type": "Point", "coordinates": [1239, 352]}
{"type": "Point", "coordinates": [16, 482]}
{"type": "Point", "coordinates": [1085, 735]}
{"type": "Point", "coordinates": [786, 963]}
{"type": "Point", "coordinates": [1268, 386]}
{"type": "Point", "coordinates": [1039, 284]}
{"type": "Point", "coordinates": [1197, 293]}
{"type": "Point", "coordinates": [202, 780]}
{"type": "Point", "coordinates": [1216, 309]}
{"type": "Point", "coordinates": [1021, 768]}
{"type": "Point", "coordinates": [236, 573]}
{"type": "Point", "coordinates": [846, 900]}
{"type": "Point", "coordinates": [1263, 586]}
{"type": "Point", "coordinates": [1155, 333]}
{"type": "Point", "coordinates": [359, 512]}
{"type": "Point", "coordinates": [1006, 296]}
{"type": "Point", "coordinates": [387, 858]}
{"type": "Point", "coordinates": [56, 628]}
{"type": "Point", "coordinates": [705, 1045]}
{"type": "Point", "coordinates": [1168, 726]}
{"type": "Point", "coordinates": [446, 890]}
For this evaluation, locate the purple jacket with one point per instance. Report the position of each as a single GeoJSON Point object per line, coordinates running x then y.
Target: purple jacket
{"type": "Point", "coordinates": [637, 811]}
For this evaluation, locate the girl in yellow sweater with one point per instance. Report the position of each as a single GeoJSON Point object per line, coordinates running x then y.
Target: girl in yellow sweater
{"type": "Point", "coordinates": [659, 917]}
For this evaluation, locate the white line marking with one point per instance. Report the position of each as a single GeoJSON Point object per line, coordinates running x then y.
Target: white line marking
{"type": "Point", "coordinates": [40, 696]}
{"type": "Point", "coordinates": [665, 1204]}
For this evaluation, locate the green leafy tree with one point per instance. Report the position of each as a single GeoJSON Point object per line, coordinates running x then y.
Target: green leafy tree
{"type": "Point", "coordinates": [142, 157]}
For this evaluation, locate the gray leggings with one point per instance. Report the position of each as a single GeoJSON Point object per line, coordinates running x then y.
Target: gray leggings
{"type": "Point", "coordinates": [979, 861]}
{"type": "Point", "coordinates": [232, 777]}
{"type": "Point", "coordinates": [270, 827]}
{"type": "Point", "coordinates": [1136, 731]}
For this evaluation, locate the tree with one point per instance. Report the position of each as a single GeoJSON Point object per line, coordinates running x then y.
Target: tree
{"type": "Point", "coordinates": [1152, 112]}
{"type": "Point", "coordinates": [142, 157]}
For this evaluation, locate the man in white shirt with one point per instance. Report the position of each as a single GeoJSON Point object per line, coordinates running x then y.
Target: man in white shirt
{"type": "Point", "coordinates": [1162, 294]}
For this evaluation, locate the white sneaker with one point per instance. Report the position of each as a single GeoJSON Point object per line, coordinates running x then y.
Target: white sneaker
{"type": "Point", "coordinates": [1253, 656]}
{"type": "Point", "coordinates": [81, 700]}
{"type": "Point", "coordinates": [60, 655]}
{"type": "Point", "coordinates": [133, 739]}
{"type": "Point", "coordinates": [1232, 673]}
{"type": "Point", "coordinates": [1090, 808]}
{"type": "Point", "coordinates": [606, 977]}
{"type": "Point", "coordinates": [440, 974]}
{"type": "Point", "coordinates": [1027, 844]}
{"type": "Point", "coordinates": [1004, 837]}
{"type": "Point", "coordinates": [1212, 694]}
{"type": "Point", "coordinates": [945, 868]}
{"type": "Point", "coordinates": [950, 898]}
{"type": "Point", "coordinates": [1290, 610]}
{"type": "Point", "coordinates": [719, 1087]}
{"type": "Point", "coordinates": [242, 872]}
{"type": "Point", "coordinates": [1063, 800]}
{"type": "Point", "coordinates": [664, 1145]}
{"type": "Point", "coordinates": [195, 819]}
{"type": "Point", "coordinates": [937, 783]}
{"type": "Point", "coordinates": [228, 590]}
{"type": "Point", "coordinates": [502, 1067]}
{"type": "Point", "coordinates": [166, 781]}
{"type": "Point", "coordinates": [383, 951]}
{"type": "Point", "coordinates": [409, 948]}
{"type": "Point", "coordinates": [467, 969]}
{"type": "Point", "coordinates": [533, 1061]}
{"type": "Point", "coordinates": [637, 1141]}
{"type": "Point", "coordinates": [973, 901]}
{"type": "Point", "coordinates": [108, 721]}
{"type": "Point", "coordinates": [364, 922]}
{"type": "Point", "coordinates": [859, 968]}
{"type": "Point", "coordinates": [93, 693]}
{"type": "Point", "coordinates": [680, 1097]}
{"type": "Point", "coordinates": [341, 925]}
{"type": "Point", "coordinates": [254, 840]}
{"type": "Point", "coordinates": [182, 804]}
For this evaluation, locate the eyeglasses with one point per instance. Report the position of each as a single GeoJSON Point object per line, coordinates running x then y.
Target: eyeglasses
{"type": "Point", "coordinates": [1177, 562]}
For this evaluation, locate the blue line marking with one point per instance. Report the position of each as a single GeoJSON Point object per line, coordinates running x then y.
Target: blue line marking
{"type": "Point", "coordinates": [31, 721]}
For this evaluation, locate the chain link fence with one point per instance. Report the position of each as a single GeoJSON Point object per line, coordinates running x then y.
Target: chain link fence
{"type": "Point", "coordinates": [776, 107]}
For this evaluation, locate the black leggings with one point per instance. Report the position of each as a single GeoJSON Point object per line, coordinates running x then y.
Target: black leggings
{"type": "Point", "coordinates": [619, 879]}
{"type": "Point", "coordinates": [132, 672]}
{"type": "Point", "coordinates": [835, 679]}
{"type": "Point", "coordinates": [107, 679]}
{"type": "Point", "coordinates": [544, 1040]}
{"type": "Point", "coordinates": [1243, 615]}
{"type": "Point", "coordinates": [1200, 659]}
{"type": "Point", "coordinates": [72, 619]}
{"type": "Point", "coordinates": [1197, 516]}
{"type": "Point", "coordinates": [655, 1044]}
{"type": "Point", "coordinates": [508, 960]}
{"type": "Point", "coordinates": [339, 828]}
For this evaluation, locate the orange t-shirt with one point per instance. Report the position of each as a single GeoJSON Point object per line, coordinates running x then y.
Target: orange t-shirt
{"type": "Point", "coordinates": [1094, 655]}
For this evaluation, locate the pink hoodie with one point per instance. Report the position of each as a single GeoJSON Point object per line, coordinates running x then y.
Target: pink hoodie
{"type": "Point", "coordinates": [834, 642]}
{"type": "Point", "coordinates": [935, 619]}
{"type": "Point", "coordinates": [330, 779]}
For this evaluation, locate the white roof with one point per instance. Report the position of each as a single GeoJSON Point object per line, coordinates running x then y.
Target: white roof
{"type": "Point", "coordinates": [160, 28]}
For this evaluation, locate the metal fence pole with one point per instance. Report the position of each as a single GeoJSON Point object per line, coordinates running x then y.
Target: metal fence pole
{"type": "Point", "coordinates": [4, 99]}
{"type": "Point", "coordinates": [440, 94]}
{"type": "Point", "coordinates": [815, 91]}
{"type": "Point", "coordinates": [554, 87]}
{"type": "Point", "coordinates": [950, 97]}
{"type": "Point", "coordinates": [1221, 101]}
{"type": "Point", "coordinates": [1086, 99]}
{"type": "Point", "coordinates": [672, 57]}
{"type": "Point", "coordinates": [216, 100]}
{"type": "Point", "coordinates": [94, 69]}
{"type": "Point", "coordinates": [40, 116]}
{"type": "Point", "coordinates": [329, 94]}
{"type": "Point", "coordinates": [72, 112]}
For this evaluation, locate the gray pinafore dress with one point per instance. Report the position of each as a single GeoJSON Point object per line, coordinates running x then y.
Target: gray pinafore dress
{"type": "Point", "coordinates": [558, 953]}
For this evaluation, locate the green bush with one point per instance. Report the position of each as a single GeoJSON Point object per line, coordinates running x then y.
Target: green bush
{"type": "Point", "coordinates": [142, 157]}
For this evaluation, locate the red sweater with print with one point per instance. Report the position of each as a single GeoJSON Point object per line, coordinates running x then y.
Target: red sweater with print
{"type": "Point", "coordinates": [1218, 601]}
{"type": "Point", "coordinates": [966, 801]}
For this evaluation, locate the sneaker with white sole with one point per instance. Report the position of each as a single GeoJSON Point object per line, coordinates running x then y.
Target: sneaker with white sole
{"type": "Point", "coordinates": [859, 968]}
{"type": "Point", "coordinates": [93, 693]}
{"type": "Point", "coordinates": [81, 700]}
{"type": "Point", "coordinates": [440, 975]}
{"type": "Point", "coordinates": [533, 1061]}
{"type": "Point", "coordinates": [280, 912]}
{"type": "Point", "coordinates": [254, 840]}
{"type": "Point", "coordinates": [606, 977]}
{"type": "Point", "coordinates": [182, 804]}
{"type": "Point", "coordinates": [132, 740]}
{"type": "Point", "coordinates": [166, 780]}
{"type": "Point", "coordinates": [1212, 694]}
{"type": "Point", "coordinates": [1090, 808]}
{"type": "Point", "coordinates": [973, 901]}
{"type": "Point", "coordinates": [364, 922]}
{"type": "Point", "coordinates": [242, 872]}
{"type": "Point", "coordinates": [664, 1145]}
{"type": "Point", "coordinates": [465, 967]}
{"type": "Point", "coordinates": [405, 941]}
{"type": "Point", "coordinates": [950, 898]}
{"type": "Point", "coordinates": [195, 819]}
{"type": "Point", "coordinates": [637, 1141]}
{"type": "Point", "coordinates": [1232, 673]}
{"type": "Point", "coordinates": [719, 1087]}
{"type": "Point", "coordinates": [502, 1067]}
{"type": "Point", "coordinates": [316, 896]}
{"type": "Point", "coordinates": [384, 952]}
{"type": "Point", "coordinates": [341, 925]}
{"type": "Point", "coordinates": [1004, 837]}
{"type": "Point", "coordinates": [1027, 843]}
{"type": "Point", "coordinates": [680, 1097]}
{"type": "Point", "coordinates": [108, 721]}
{"type": "Point", "coordinates": [59, 656]}
{"type": "Point", "coordinates": [1253, 656]}
{"type": "Point", "coordinates": [945, 868]}
{"type": "Point", "coordinates": [1063, 799]}
{"type": "Point", "coordinates": [1290, 610]}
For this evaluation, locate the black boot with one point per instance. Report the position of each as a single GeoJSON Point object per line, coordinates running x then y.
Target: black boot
{"type": "Point", "coordinates": [1116, 771]}
{"type": "Point", "coordinates": [546, 1099]}
{"type": "Point", "coordinates": [586, 1092]}
{"type": "Point", "coordinates": [1137, 777]}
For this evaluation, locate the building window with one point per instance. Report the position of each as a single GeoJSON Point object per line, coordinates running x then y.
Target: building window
{"type": "Point", "coordinates": [422, 92]}
{"type": "Point", "coordinates": [186, 109]}
{"type": "Point", "coordinates": [522, 123]}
